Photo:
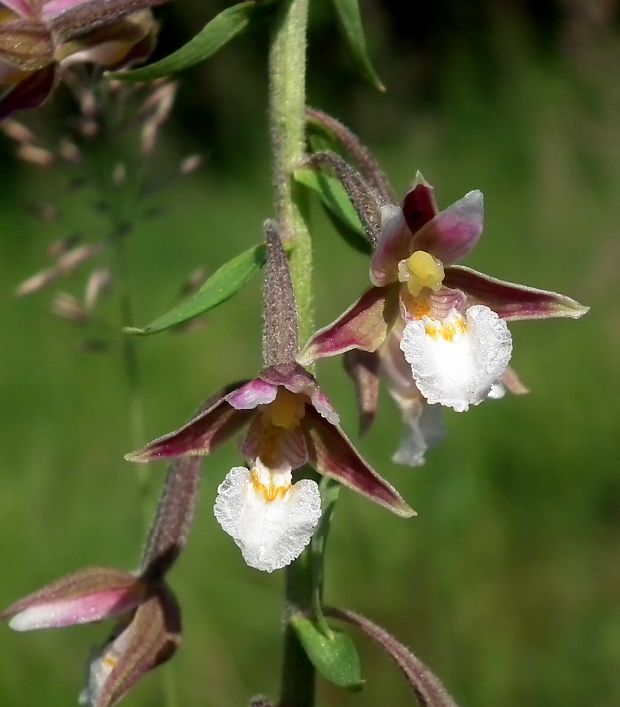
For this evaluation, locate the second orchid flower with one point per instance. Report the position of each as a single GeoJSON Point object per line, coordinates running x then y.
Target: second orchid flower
{"type": "Point", "coordinates": [453, 319]}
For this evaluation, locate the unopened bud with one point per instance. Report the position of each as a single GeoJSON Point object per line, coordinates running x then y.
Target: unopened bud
{"type": "Point", "coordinates": [34, 154]}
{"type": "Point", "coordinates": [190, 164]}
{"type": "Point", "coordinates": [88, 103]}
{"type": "Point", "coordinates": [73, 258]}
{"type": "Point", "coordinates": [194, 281]}
{"type": "Point", "coordinates": [67, 307]}
{"type": "Point", "coordinates": [89, 128]}
{"type": "Point", "coordinates": [70, 152]}
{"type": "Point", "coordinates": [98, 284]}
{"type": "Point", "coordinates": [157, 109]}
{"type": "Point", "coordinates": [17, 131]}
{"type": "Point", "coordinates": [65, 265]}
{"type": "Point", "coordinates": [60, 247]}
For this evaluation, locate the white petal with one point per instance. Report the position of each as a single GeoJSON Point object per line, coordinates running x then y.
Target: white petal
{"type": "Point", "coordinates": [497, 392]}
{"type": "Point", "coordinates": [455, 361]}
{"type": "Point", "coordinates": [270, 533]}
{"type": "Point", "coordinates": [424, 428]}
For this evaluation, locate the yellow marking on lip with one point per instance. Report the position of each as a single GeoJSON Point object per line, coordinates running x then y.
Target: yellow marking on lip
{"type": "Point", "coordinates": [271, 492]}
{"type": "Point", "coordinates": [447, 331]}
{"type": "Point", "coordinates": [418, 307]}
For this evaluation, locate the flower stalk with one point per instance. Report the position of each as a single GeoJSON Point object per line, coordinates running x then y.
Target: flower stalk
{"type": "Point", "coordinates": [287, 103]}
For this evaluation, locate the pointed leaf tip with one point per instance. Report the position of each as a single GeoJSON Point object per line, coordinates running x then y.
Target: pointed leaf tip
{"type": "Point", "coordinates": [350, 19]}
{"type": "Point", "coordinates": [225, 282]}
{"type": "Point", "coordinates": [215, 34]}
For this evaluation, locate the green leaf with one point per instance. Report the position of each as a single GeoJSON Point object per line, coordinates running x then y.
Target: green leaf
{"type": "Point", "coordinates": [226, 281]}
{"type": "Point", "coordinates": [213, 36]}
{"type": "Point", "coordinates": [338, 205]}
{"type": "Point", "coordinates": [348, 12]}
{"type": "Point", "coordinates": [334, 656]}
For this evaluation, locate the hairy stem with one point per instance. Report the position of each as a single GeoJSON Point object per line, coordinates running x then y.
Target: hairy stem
{"type": "Point", "coordinates": [287, 65]}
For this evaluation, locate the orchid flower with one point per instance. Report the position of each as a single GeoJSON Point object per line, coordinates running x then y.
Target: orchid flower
{"type": "Point", "coordinates": [422, 422]}
{"type": "Point", "coordinates": [453, 319]}
{"type": "Point", "coordinates": [147, 635]}
{"type": "Point", "coordinates": [290, 423]}
{"type": "Point", "coordinates": [148, 632]}
{"type": "Point", "coordinates": [39, 37]}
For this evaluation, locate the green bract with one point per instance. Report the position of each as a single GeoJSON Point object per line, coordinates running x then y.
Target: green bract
{"type": "Point", "coordinates": [334, 656]}
{"type": "Point", "coordinates": [336, 201]}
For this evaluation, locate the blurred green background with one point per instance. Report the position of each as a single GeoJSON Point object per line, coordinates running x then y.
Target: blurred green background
{"type": "Point", "coordinates": [508, 582]}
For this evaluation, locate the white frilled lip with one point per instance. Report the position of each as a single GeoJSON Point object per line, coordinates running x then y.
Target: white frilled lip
{"type": "Point", "coordinates": [456, 361]}
{"type": "Point", "coordinates": [423, 423]}
{"type": "Point", "coordinates": [423, 429]}
{"type": "Point", "coordinates": [270, 532]}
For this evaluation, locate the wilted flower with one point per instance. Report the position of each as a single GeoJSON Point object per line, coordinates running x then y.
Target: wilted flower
{"type": "Point", "coordinates": [38, 37]}
{"type": "Point", "coordinates": [454, 333]}
{"type": "Point", "coordinates": [291, 423]}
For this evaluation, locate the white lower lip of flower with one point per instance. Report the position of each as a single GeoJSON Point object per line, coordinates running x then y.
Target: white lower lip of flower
{"type": "Point", "coordinates": [99, 672]}
{"type": "Point", "coordinates": [457, 360]}
{"type": "Point", "coordinates": [269, 519]}
{"type": "Point", "coordinates": [423, 429]}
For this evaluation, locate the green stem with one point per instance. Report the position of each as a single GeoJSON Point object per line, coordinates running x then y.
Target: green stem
{"type": "Point", "coordinates": [128, 345]}
{"type": "Point", "coordinates": [298, 675]}
{"type": "Point", "coordinates": [287, 99]}
{"type": "Point", "coordinates": [287, 73]}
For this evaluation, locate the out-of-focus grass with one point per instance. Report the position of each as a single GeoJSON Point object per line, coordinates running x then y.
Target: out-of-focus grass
{"type": "Point", "coordinates": [507, 582]}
